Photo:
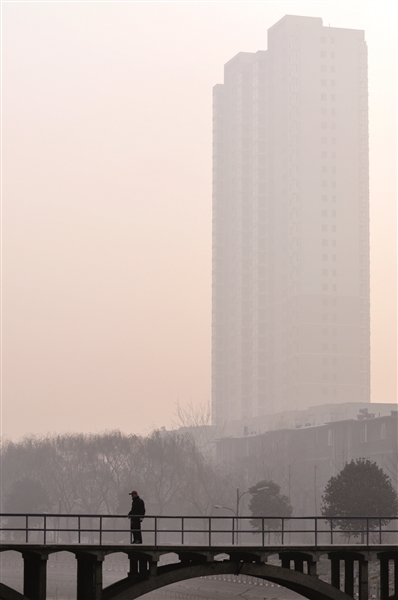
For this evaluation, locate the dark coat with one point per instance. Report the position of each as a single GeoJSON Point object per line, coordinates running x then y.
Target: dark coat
{"type": "Point", "coordinates": [137, 507]}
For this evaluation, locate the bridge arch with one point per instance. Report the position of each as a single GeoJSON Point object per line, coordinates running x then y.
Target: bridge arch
{"type": "Point", "coordinates": [307, 585]}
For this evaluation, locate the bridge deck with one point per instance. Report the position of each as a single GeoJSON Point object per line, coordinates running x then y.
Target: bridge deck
{"type": "Point", "coordinates": [156, 551]}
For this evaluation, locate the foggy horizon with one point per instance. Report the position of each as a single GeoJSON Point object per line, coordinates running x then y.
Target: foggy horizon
{"type": "Point", "coordinates": [106, 201]}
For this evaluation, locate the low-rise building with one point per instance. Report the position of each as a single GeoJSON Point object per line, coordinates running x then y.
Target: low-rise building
{"type": "Point", "coordinates": [302, 459]}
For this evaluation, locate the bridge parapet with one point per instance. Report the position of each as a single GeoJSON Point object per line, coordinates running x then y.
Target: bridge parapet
{"type": "Point", "coordinates": [198, 530]}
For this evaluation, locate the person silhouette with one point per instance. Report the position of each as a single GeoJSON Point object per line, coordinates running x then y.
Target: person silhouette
{"type": "Point", "coordinates": [136, 515]}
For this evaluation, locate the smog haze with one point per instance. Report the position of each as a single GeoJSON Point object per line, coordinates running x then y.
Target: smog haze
{"type": "Point", "coordinates": [106, 203]}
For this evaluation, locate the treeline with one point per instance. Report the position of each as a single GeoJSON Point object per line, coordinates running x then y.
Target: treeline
{"type": "Point", "coordinates": [94, 473]}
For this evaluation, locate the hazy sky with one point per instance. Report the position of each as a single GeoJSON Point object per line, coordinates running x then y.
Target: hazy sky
{"type": "Point", "coordinates": [106, 200]}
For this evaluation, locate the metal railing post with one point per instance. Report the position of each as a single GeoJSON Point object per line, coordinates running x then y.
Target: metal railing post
{"type": "Point", "coordinates": [26, 528]}
{"type": "Point", "coordinates": [79, 530]}
{"type": "Point", "coordinates": [379, 531]}
{"type": "Point", "coordinates": [331, 531]}
{"type": "Point", "coordinates": [156, 531]}
{"type": "Point", "coordinates": [262, 531]}
{"type": "Point", "coordinates": [45, 530]}
{"type": "Point", "coordinates": [316, 532]}
{"type": "Point", "coordinates": [283, 531]}
{"type": "Point", "coordinates": [100, 531]}
{"type": "Point", "coordinates": [182, 530]}
{"type": "Point", "coordinates": [367, 531]}
{"type": "Point", "coordinates": [209, 532]}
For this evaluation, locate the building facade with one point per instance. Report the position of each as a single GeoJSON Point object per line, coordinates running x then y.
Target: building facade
{"type": "Point", "coordinates": [303, 459]}
{"type": "Point", "coordinates": [290, 314]}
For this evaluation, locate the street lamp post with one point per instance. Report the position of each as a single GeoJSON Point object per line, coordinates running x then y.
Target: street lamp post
{"type": "Point", "coordinates": [239, 495]}
{"type": "Point", "coordinates": [233, 520]}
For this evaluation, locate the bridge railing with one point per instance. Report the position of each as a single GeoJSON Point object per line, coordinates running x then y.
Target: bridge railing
{"type": "Point", "coordinates": [39, 528]}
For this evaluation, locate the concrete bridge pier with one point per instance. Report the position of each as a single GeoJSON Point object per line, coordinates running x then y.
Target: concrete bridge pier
{"type": "Point", "coordinates": [35, 575]}
{"type": "Point", "coordinates": [89, 576]}
{"type": "Point", "coordinates": [299, 561]}
{"type": "Point", "coordinates": [385, 558]}
{"type": "Point", "coordinates": [363, 580]}
{"type": "Point", "coordinates": [349, 574]}
{"type": "Point", "coordinates": [142, 566]}
{"type": "Point", "coordinates": [396, 577]}
{"type": "Point", "coordinates": [335, 571]}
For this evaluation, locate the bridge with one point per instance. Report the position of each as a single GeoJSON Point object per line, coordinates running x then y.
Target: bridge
{"type": "Point", "coordinates": [283, 551]}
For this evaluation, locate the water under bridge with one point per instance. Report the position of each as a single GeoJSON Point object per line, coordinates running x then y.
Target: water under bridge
{"type": "Point", "coordinates": [283, 551]}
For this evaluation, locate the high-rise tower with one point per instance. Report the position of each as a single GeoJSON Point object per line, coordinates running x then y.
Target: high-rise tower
{"type": "Point", "coordinates": [291, 324]}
